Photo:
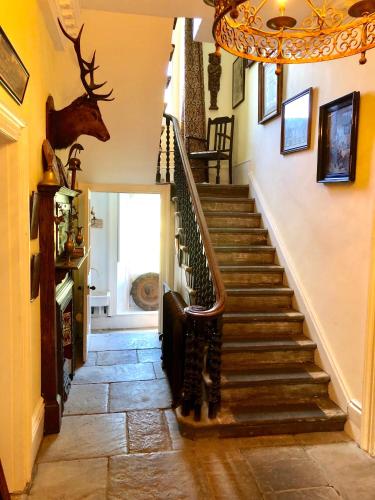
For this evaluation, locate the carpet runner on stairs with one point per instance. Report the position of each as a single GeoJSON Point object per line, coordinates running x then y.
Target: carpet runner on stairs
{"type": "Point", "coordinates": [270, 384]}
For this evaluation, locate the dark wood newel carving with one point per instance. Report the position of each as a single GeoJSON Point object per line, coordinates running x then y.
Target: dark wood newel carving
{"type": "Point", "coordinates": [53, 409]}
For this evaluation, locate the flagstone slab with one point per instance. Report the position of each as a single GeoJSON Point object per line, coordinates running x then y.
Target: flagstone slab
{"type": "Point", "coordinates": [145, 395]}
{"type": "Point", "coordinates": [114, 373]}
{"type": "Point", "coordinates": [87, 399]}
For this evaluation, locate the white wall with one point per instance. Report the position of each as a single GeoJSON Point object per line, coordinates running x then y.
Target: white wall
{"type": "Point", "coordinates": [325, 228]}
{"type": "Point", "coordinates": [136, 68]}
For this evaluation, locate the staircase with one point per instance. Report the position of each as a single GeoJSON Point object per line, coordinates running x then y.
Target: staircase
{"type": "Point", "coordinates": [269, 382]}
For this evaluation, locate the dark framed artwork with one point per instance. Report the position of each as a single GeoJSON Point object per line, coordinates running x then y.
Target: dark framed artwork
{"type": "Point", "coordinates": [34, 276]}
{"type": "Point", "coordinates": [270, 91]}
{"type": "Point", "coordinates": [13, 74]}
{"type": "Point", "coordinates": [34, 215]}
{"type": "Point", "coordinates": [238, 82]}
{"type": "Point", "coordinates": [296, 115]}
{"type": "Point", "coordinates": [338, 136]}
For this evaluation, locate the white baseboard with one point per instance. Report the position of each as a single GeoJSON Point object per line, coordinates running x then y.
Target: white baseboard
{"type": "Point", "coordinates": [325, 358]}
{"type": "Point", "coordinates": [37, 426]}
{"type": "Point", "coordinates": [147, 319]}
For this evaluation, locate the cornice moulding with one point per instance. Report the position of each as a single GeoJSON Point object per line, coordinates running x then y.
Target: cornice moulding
{"type": "Point", "coordinates": [10, 125]}
{"type": "Point", "coordinates": [69, 13]}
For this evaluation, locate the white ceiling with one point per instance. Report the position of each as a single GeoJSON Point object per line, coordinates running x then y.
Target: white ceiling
{"type": "Point", "coordinates": [163, 8]}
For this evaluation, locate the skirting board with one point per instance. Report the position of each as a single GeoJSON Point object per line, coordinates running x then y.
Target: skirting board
{"type": "Point", "coordinates": [126, 321]}
{"type": "Point", "coordinates": [338, 390]}
{"type": "Point", "coordinates": [37, 425]}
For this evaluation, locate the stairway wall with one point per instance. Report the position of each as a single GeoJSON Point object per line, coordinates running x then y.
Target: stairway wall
{"type": "Point", "coordinates": [326, 228]}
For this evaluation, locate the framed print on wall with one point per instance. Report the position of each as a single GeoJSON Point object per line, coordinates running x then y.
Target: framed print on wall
{"type": "Point", "coordinates": [338, 136]}
{"type": "Point", "coordinates": [270, 91]}
{"type": "Point", "coordinates": [238, 82]}
{"type": "Point", "coordinates": [13, 74]}
{"type": "Point", "coordinates": [296, 122]}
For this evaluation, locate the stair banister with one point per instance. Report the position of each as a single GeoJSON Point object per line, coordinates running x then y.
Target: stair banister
{"type": "Point", "coordinates": [203, 338]}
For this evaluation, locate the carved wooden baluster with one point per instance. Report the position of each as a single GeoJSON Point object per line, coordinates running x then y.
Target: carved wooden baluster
{"type": "Point", "coordinates": [168, 151]}
{"type": "Point", "coordinates": [214, 367]}
{"type": "Point", "coordinates": [158, 172]}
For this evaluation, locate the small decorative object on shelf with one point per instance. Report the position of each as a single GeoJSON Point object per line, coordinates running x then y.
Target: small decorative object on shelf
{"type": "Point", "coordinates": [69, 245]}
{"type": "Point", "coordinates": [51, 172]}
{"type": "Point", "coordinates": [74, 162]}
{"type": "Point", "coordinates": [79, 236]}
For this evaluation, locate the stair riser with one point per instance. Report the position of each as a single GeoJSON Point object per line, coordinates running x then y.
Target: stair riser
{"type": "Point", "coordinates": [246, 258]}
{"type": "Point", "coordinates": [261, 329]}
{"type": "Point", "coordinates": [236, 222]}
{"type": "Point", "coordinates": [243, 430]}
{"type": "Point", "coordinates": [247, 360]}
{"type": "Point", "coordinates": [273, 393]}
{"type": "Point", "coordinates": [261, 303]}
{"type": "Point", "coordinates": [238, 279]}
{"type": "Point", "coordinates": [222, 206]}
{"type": "Point", "coordinates": [238, 239]}
{"type": "Point", "coordinates": [223, 191]}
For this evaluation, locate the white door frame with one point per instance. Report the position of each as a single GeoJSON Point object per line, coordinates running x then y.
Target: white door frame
{"type": "Point", "coordinates": [368, 412]}
{"type": "Point", "coordinates": [166, 263]}
{"type": "Point", "coordinates": [18, 426]}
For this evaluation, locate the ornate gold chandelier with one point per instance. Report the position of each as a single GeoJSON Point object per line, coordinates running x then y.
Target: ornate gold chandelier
{"type": "Point", "coordinates": [319, 31]}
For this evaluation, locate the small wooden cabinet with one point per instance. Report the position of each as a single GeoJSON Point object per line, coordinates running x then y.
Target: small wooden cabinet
{"type": "Point", "coordinates": [58, 343]}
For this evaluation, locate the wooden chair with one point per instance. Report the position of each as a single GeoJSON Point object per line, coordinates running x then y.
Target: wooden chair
{"type": "Point", "coordinates": [220, 132]}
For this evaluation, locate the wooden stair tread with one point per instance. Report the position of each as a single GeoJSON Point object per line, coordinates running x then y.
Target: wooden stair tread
{"type": "Point", "coordinates": [264, 316]}
{"type": "Point", "coordinates": [227, 199]}
{"type": "Point", "coordinates": [261, 290]}
{"type": "Point", "coordinates": [286, 374]}
{"type": "Point", "coordinates": [244, 249]}
{"type": "Point", "coordinates": [322, 409]}
{"type": "Point", "coordinates": [232, 214]}
{"type": "Point", "coordinates": [269, 344]}
{"type": "Point", "coordinates": [265, 268]}
{"type": "Point", "coordinates": [238, 230]}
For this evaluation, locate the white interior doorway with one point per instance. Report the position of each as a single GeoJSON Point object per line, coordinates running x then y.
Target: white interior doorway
{"type": "Point", "coordinates": [128, 233]}
{"type": "Point", "coordinates": [125, 260]}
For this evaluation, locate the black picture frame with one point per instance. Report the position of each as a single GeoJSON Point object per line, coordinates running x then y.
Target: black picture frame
{"type": "Point", "coordinates": [296, 114]}
{"type": "Point", "coordinates": [34, 215]}
{"type": "Point", "coordinates": [338, 137]}
{"type": "Point", "coordinates": [238, 82]}
{"type": "Point", "coordinates": [34, 276]}
{"type": "Point", "coordinates": [270, 90]}
{"type": "Point", "coordinates": [14, 76]}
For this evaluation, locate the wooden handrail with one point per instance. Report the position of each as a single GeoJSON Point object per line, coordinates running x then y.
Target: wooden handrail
{"type": "Point", "coordinates": [218, 308]}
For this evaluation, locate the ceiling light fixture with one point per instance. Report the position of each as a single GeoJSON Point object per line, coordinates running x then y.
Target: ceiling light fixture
{"type": "Point", "coordinates": [318, 31]}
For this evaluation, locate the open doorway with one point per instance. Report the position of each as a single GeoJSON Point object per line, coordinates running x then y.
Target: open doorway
{"type": "Point", "coordinates": [125, 260]}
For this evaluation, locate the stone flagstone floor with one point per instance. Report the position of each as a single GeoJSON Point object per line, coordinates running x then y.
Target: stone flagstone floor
{"type": "Point", "coordinates": [120, 440]}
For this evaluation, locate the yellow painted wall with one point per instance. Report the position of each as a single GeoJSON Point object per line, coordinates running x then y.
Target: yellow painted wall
{"type": "Point", "coordinates": [326, 228]}
{"type": "Point", "coordinates": [23, 23]}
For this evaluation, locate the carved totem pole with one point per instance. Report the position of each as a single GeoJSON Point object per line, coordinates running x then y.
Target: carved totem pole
{"type": "Point", "coordinates": [214, 74]}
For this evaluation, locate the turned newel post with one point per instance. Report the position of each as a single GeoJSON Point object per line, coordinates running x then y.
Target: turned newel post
{"type": "Point", "coordinates": [47, 190]}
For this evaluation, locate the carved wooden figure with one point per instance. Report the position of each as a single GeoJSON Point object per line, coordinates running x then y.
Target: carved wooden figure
{"type": "Point", "coordinates": [214, 74]}
{"type": "Point", "coordinates": [83, 115]}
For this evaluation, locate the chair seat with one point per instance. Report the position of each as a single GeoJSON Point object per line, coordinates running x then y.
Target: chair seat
{"type": "Point", "coordinates": [208, 155]}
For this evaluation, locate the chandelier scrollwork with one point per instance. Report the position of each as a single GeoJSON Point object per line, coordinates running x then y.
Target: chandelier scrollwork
{"type": "Point", "coordinates": [327, 31]}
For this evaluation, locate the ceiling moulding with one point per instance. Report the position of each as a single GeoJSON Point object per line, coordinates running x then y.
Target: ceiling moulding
{"type": "Point", "coordinates": [69, 13]}
{"type": "Point", "coordinates": [10, 126]}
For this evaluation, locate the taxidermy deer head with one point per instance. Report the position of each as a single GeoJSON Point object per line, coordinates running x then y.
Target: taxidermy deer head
{"type": "Point", "coordinates": [82, 116]}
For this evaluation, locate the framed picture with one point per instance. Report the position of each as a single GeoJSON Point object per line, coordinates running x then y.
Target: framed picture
{"type": "Point", "coordinates": [338, 135]}
{"type": "Point", "coordinates": [296, 122]}
{"type": "Point", "coordinates": [34, 215]}
{"type": "Point", "coordinates": [238, 82]}
{"type": "Point", "coordinates": [34, 276]}
{"type": "Point", "coordinates": [13, 74]}
{"type": "Point", "coordinates": [269, 92]}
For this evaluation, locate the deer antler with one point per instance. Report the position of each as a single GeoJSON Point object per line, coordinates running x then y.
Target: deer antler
{"type": "Point", "coordinates": [87, 68]}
